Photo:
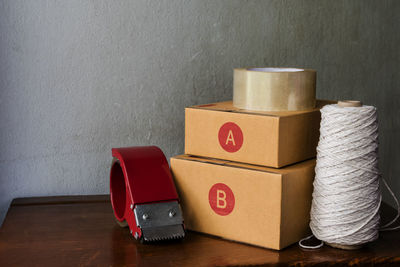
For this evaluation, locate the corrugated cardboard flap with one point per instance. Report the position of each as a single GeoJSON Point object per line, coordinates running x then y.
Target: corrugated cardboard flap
{"type": "Point", "coordinates": [285, 170]}
{"type": "Point", "coordinates": [228, 106]}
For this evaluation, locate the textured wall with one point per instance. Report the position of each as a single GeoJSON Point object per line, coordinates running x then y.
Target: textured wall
{"type": "Point", "coordinates": [79, 77]}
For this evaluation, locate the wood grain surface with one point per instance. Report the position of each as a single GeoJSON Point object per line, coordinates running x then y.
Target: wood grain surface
{"type": "Point", "coordinates": [81, 231]}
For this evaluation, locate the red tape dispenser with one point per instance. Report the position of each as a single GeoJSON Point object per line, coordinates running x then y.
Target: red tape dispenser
{"type": "Point", "coordinates": [143, 194]}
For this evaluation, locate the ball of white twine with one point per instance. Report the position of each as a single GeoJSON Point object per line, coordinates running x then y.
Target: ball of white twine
{"type": "Point", "coordinates": [346, 197]}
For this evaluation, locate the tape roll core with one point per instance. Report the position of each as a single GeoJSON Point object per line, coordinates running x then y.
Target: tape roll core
{"type": "Point", "coordinates": [274, 89]}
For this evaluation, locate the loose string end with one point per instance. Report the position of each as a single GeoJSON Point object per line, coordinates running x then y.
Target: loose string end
{"type": "Point", "coordinates": [385, 227]}
{"type": "Point", "coordinates": [310, 246]}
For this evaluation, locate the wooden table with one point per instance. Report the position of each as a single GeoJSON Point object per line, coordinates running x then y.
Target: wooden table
{"type": "Point", "coordinates": [80, 230]}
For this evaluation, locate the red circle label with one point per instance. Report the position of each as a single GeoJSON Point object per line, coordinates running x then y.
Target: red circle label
{"type": "Point", "coordinates": [230, 137]}
{"type": "Point", "coordinates": [221, 199]}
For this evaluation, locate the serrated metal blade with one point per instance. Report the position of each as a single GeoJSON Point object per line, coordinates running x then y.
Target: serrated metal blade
{"type": "Point", "coordinates": [160, 233]}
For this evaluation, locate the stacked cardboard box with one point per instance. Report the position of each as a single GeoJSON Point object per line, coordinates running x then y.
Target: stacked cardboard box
{"type": "Point", "coordinates": [232, 181]}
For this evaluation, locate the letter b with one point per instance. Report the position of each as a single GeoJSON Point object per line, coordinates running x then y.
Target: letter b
{"type": "Point", "coordinates": [221, 197]}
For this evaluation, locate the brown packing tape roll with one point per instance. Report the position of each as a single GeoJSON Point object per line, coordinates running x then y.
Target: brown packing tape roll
{"type": "Point", "coordinates": [274, 89]}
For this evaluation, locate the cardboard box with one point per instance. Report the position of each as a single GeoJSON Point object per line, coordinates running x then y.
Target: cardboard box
{"type": "Point", "coordinates": [257, 205]}
{"type": "Point", "coordinates": [273, 139]}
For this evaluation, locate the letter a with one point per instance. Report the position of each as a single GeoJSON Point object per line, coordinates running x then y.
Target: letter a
{"type": "Point", "coordinates": [230, 138]}
{"type": "Point", "coordinates": [222, 199]}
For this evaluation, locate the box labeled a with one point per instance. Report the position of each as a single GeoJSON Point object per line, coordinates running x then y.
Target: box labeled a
{"type": "Point", "coordinates": [257, 205]}
{"type": "Point", "coordinates": [273, 139]}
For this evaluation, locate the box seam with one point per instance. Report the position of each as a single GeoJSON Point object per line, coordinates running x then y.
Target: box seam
{"type": "Point", "coordinates": [226, 165]}
{"type": "Point", "coordinates": [234, 111]}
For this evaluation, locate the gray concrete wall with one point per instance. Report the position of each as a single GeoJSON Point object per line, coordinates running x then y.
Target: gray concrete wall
{"type": "Point", "coordinates": [80, 77]}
